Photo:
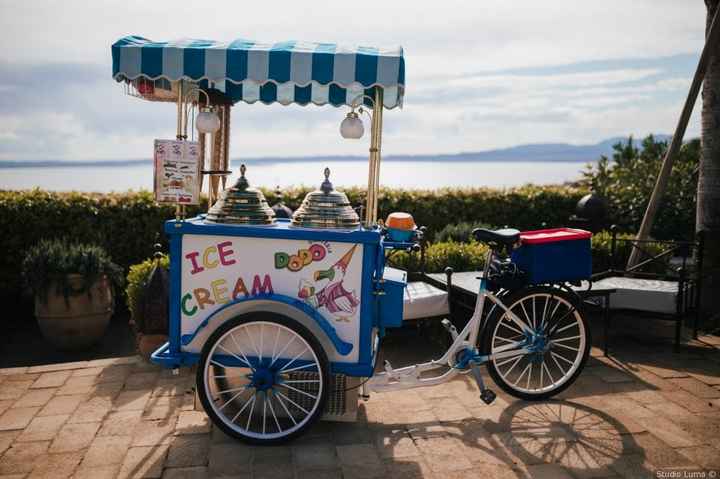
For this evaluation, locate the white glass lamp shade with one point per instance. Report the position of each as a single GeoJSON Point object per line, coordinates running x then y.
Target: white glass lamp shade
{"type": "Point", "coordinates": [352, 126]}
{"type": "Point", "coordinates": [207, 122]}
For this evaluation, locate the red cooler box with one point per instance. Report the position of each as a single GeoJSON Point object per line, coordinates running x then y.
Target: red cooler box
{"type": "Point", "coordinates": [554, 255]}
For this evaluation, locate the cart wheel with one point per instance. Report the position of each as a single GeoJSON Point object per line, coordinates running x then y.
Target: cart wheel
{"type": "Point", "coordinates": [560, 343]}
{"type": "Point", "coordinates": [263, 378]}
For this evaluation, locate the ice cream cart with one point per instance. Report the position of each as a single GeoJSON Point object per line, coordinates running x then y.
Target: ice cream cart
{"type": "Point", "coordinates": [283, 318]}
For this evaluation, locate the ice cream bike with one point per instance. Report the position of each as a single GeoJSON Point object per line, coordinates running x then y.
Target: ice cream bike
{"type": "Point", "coordinates": [283, 318]}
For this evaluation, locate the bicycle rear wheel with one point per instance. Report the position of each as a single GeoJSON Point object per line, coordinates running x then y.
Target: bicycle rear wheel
{"type": "Point", "coordinates": [555, 333]}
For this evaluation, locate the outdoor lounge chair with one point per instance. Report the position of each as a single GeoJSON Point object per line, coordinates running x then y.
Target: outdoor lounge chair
{"type": "Point", "coordinates": [665, 284]}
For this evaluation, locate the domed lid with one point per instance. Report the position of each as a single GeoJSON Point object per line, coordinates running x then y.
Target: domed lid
{"type": "Point", "coordinates": [326, 208]}
{"type": "Point", "coordinates": [241, 204]}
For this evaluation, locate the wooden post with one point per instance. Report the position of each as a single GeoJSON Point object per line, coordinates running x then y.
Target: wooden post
{"type": "Point", "coordinates": [707, 219]}
{"type": "Point", "coordinates": [711, 41]}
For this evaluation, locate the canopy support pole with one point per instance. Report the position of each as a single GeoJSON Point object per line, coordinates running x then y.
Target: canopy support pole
{"type": "Point", "coordinates": [226, 144]}
{"type": "Point", "coordinates": [181, 93]}
{"type": "Point", "coordinates": [375, 156]}
{"type": "Point", "coordinates": [179, 209]}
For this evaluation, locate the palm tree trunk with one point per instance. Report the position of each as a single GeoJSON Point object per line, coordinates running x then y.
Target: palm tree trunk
{"type": "Point", "coordinates": [708, 192]}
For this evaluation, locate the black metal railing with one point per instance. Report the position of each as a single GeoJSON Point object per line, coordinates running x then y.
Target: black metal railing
{"type": "Point", "coordinates": [656, 263]}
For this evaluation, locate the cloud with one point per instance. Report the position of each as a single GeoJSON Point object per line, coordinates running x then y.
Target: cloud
{"type": "Point", "coordinates": [452, 35]}
{"type": "Point", "coordinates": [479, 75]}
{"type": "Point", "coordinates": [83, 114]}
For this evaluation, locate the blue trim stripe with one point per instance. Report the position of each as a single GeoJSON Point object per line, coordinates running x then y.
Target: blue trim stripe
{"type": "Point", "coordinates": [268, 93]}
{"type": "Point", "coordinates": [370, 92]}
{"type": "Point", "coordinates": [174, 306]}
{"type": "Point", "coordinates": [323, 63]}
{"type": "Point", "coordinates": [279, 61]}
{"type": "Point", "coordinates": [237, 58]}
{"type": "Point", "coordinates": [366, 65]}
{"type": "Point", "coordinates": [368, 303]}
{"type": "Point", "coordinates": [302, 94]}
{"type": "Point", "coordinates": [115, 52]}
{"type": "Point", "coordinates": [194, 60]}
{"type": "Point", "coordinates": [151, 60]}
{"type": "Point", "coordinates": [337, 95]}
{"type": "Point", "coordinates": [319, 72]}
{"type": "Point", "coordinates": [167, 359]}
{"type": "Point", "coordinates": [281, 230]}
{"type": "Point", "coordinates": [233, 90]}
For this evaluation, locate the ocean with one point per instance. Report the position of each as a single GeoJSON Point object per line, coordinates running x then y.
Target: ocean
{"type": "Point", "coordinates": [396, 173]}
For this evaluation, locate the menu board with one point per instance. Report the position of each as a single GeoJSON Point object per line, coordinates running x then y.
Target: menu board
{"type": "Point", "coordinates": [177, 172]}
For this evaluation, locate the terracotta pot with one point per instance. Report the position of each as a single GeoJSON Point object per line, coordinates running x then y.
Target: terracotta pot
{"type": "Point", "coordinates": [148, 343]}
{"type": "Point", "coordinates": [81, 320]}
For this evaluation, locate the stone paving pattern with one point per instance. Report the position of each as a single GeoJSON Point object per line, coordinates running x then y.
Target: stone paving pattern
{"type": "Point", "coordinates": [627, 416]}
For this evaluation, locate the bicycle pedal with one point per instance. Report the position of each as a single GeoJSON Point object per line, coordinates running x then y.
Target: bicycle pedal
{"type": "Point", "coordinates": [488, 396]}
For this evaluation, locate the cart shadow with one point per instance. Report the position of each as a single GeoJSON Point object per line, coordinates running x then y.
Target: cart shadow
{"type": "Point", "coordinates": [583, 440]}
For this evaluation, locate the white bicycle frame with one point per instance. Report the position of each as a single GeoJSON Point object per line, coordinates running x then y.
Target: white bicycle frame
{"type": "Point", "coordinates": [410, 376]}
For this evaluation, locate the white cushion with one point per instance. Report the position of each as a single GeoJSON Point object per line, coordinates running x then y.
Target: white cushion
{"type": "Point", "coordinates": [422, 300]}
{"type": "Point", "coordinates": [640, 294]}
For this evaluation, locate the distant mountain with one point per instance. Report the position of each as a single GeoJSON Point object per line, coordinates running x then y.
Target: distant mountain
{"type": "Point", "coordinates": [540, 152]}
{"type": "Point", "coordinates": [536, 152]}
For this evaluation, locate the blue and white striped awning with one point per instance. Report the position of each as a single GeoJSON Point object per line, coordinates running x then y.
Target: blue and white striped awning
{"type": "Point", "coordinates": [286, 72]}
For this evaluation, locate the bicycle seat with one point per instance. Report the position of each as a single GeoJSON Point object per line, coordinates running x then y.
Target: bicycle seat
{"type": "Point", "coordinates": [507, 236]}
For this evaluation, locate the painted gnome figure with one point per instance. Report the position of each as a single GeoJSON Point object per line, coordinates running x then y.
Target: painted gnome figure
{"type": "Point", "coordinates": [331, 294]}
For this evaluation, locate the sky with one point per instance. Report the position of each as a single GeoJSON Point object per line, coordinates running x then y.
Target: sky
{"type": "Point", "coordinates": [479, 75]}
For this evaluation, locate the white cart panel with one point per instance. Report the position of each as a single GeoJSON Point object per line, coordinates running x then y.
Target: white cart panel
{"type": "Point", "coordinates": [216, 270]}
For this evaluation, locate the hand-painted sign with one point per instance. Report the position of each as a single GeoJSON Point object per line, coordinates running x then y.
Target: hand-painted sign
{"type": "Point", "coordinates": [296, 262]}
{"type": "Point", "coordinates": [328, 289]}
{"type": "Point", "coordinates": [216, 270]}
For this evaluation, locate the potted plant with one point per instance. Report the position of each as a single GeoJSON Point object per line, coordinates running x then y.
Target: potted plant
{"type": "Point", "coordinates": [73, 287]}
{"type": "Point", "coordinates": [147, 299]}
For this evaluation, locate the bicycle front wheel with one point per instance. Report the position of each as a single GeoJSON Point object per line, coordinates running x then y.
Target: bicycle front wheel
{"type": "Point", "coordinates": [554, 335]}
{"type": "Point", "coordinates": [263, 378]}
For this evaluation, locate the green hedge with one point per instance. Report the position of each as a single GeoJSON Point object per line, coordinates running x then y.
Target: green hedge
{"type": "Point", "coordinates": [470, 256]}
{"type": "Point", "coordinates": [523, 207]}
{"type": "Point", "coordinates": [438, 256]}
{"type": "Point", "coordinates": [627, 180]}
{"type": "Point", "coordinates": [602, 253]}
{"type": "Point", "coordinates": [125, 225]}
{"type": "Point", "coordinates": [137, 279]}
{"type": "Point", "coordinates": [460, 233]}
{"type": "Point", "coordinates": [128, 224]}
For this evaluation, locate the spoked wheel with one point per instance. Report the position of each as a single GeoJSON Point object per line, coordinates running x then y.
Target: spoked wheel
{"type": "Point", "coordinates": [555, 335]}
{"type": "Point", "coordinates": [263, 378]}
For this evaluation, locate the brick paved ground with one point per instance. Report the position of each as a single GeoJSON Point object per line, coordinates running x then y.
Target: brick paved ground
{"type": "Point", "coordinates": [625, 417]}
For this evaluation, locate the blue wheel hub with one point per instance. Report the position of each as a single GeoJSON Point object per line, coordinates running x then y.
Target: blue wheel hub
{"type": "Point", "coordinates": [262, 378]}
{"type": "Point", "coordinates": [537, 343]}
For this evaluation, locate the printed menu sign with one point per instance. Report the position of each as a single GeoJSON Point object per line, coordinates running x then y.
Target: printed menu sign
{"type": "Point", "coordinates": [177, 172]}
